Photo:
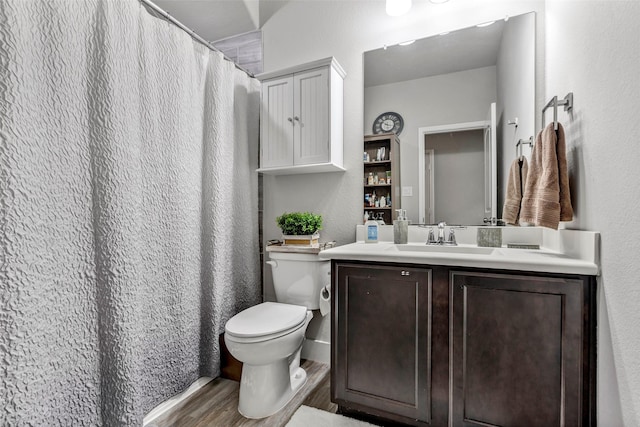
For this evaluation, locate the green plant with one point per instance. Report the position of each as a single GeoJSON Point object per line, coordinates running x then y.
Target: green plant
{"type": "Point", "coordinates": [299, 223]}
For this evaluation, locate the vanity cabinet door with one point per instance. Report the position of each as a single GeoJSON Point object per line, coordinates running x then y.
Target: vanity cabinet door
{"type": "Point", "coordinates": [381, 329]}
{"type": "Point", "coordinates": [520, 350]}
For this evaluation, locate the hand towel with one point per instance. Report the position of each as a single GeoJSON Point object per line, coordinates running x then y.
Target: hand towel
{"type": "Point", "coordinates": [515, 188]}
{"type": "Point", "coordinates": [547, 199]}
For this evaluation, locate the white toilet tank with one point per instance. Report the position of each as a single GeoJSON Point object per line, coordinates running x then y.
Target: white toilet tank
{"type": "Point", "coordinates": [298, 278]}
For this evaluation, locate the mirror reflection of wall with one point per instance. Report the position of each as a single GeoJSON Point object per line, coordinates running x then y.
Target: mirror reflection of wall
{"type": "Point", "coordinates": [453, 78]}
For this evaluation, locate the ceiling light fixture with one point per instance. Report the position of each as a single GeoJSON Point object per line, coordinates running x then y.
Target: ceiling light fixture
{"type": "Point", "coordinates": [398, 7]}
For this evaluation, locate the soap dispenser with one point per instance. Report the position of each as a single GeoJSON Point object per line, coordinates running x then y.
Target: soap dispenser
{"type": "Point", "coordinates": [371, 231]}
{"type": "Point", "coordinates": [401, 228]}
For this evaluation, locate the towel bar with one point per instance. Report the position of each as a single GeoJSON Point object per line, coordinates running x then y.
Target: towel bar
{"type": "Point", "coordinates": [522, 142]}
{"type": "Point", "coordinates": [567, 102]}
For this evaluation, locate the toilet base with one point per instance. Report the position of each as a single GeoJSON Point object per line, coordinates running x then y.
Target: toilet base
{"type": "Point", "coordinates": [266, 389]}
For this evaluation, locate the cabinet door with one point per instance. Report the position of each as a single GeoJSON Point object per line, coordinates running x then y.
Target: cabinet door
{"type": "Point", "coordinates": [517, 350]}
{"type": "Point", "coordinates": [311, 117]}
{"type": "Point", "coordinates": [276, 129]}
{"type": "Point", "coordinates": [381, 332]}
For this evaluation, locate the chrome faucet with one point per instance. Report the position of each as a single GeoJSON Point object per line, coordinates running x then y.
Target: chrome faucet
{"type": "Point", "coordinates": [441, 228]}
{"type": "Point", "coordinates": [451, 240]}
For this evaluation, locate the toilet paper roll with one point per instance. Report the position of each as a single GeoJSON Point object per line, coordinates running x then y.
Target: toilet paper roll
{"type": "Point", "coordinates": [325, 300]}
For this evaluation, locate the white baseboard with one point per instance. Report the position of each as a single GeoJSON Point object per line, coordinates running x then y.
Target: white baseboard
{"type": "Point", "coordinates": [319, 351]}
{"type": "Point", "coordinates": [173, 401]}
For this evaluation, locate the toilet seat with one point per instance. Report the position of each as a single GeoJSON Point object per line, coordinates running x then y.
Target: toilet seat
{"type": "Point", "coordinates": [265, 321]}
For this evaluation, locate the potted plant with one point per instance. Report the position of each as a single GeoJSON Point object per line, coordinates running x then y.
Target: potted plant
{"type": "Point", "coordinates": [300, 228]}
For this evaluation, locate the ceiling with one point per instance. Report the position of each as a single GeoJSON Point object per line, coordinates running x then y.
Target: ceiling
{"type": "Point", "coordinates": [218, 19]}
{"type": "Point", "coordinates": [465, 49]}
{"type": "Point", "coordinates": [460, 50]}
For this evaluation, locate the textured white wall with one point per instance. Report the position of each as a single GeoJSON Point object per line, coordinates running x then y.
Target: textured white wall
{"type": "Point", "coordinates": [593, 50]}
{"type": "Point", "coordinates": [459, 97]}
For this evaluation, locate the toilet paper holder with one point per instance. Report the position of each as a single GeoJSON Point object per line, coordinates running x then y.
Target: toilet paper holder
{"type": "Point", "coordinates": [325, 300]}
{"type": "Point", "coordinates": [325, 293]}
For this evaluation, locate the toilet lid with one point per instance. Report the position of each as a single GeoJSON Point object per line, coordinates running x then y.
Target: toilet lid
{"type": "Point", "coordinates": [265, 319]}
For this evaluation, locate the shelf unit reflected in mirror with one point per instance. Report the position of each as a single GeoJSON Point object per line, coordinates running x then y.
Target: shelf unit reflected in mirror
{"type": "Point", "coordinates": [381, 179]}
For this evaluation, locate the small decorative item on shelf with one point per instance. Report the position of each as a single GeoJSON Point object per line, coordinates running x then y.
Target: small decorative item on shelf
{"type": "Point", "coordinates": [300, 228]}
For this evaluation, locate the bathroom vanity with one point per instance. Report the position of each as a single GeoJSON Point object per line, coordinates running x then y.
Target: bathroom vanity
{"type": "Point", "coordinates": [466, 335]}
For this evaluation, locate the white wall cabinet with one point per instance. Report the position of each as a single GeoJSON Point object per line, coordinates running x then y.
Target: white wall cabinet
{"type": "Point", "coordinates": [301, 126]}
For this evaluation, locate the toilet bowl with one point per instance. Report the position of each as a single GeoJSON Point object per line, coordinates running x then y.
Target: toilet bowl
{"type": "Point", "coordinates": [271, 373]}
{"type": "Point", "coordinates": [268, 338]}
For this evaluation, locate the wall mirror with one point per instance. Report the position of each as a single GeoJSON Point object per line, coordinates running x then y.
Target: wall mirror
{"type": "Point", "coordinates": [459, 94]}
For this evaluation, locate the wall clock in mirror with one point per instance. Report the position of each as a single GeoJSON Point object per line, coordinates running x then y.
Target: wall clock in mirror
{"type": "Point", "coordinates": [388, 122]}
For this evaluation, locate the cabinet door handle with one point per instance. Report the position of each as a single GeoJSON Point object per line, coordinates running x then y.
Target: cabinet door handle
{"type": "Point", "coordinates": [290, 119]}
{"type": "Point", "coordinates": [296, 118]}
{"type": "Point", "coordinates": [405, 273]}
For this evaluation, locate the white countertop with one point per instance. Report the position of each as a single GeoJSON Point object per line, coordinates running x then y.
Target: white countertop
{"type": "Point", "coordinates": [572, 252]}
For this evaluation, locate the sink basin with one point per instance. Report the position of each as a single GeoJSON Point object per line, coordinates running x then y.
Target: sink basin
{"type": "Point", "coordinates": [442, 249]}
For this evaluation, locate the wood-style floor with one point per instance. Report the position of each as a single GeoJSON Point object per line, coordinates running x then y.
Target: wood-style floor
{"type": "Point", "coordinates": [216, 404]}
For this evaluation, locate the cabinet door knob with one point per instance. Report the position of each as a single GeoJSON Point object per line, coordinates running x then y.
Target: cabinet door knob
{"type": "Point", "coordinates": [290, 119]}
{"type": "Point", "coordinates": [405, 273]}
{"type": "Point", "coordinates": [296, 118]}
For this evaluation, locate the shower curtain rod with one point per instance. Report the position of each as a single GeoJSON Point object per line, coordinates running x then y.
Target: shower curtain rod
{"type": "Point", "coordinates": [192, 33]}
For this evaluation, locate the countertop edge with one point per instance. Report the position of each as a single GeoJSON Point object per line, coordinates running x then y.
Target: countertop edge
{"type": "Point", "coordinates": [543, 261]}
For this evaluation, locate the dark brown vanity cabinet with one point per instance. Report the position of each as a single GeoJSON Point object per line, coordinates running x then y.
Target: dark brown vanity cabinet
{"type": "Point", "coordinates": [521, 350]}
{"type": "Point", "coordinates": [380, 362]}
{"type": "Point", "coordinates": [439, 346]}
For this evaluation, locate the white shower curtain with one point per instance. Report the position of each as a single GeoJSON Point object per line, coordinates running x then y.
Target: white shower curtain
{"type": "Point", "coordinates": [128, 210]}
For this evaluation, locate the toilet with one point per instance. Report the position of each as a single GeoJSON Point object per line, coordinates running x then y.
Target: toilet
{"type": "Point", "coordinates": [268, 337]}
